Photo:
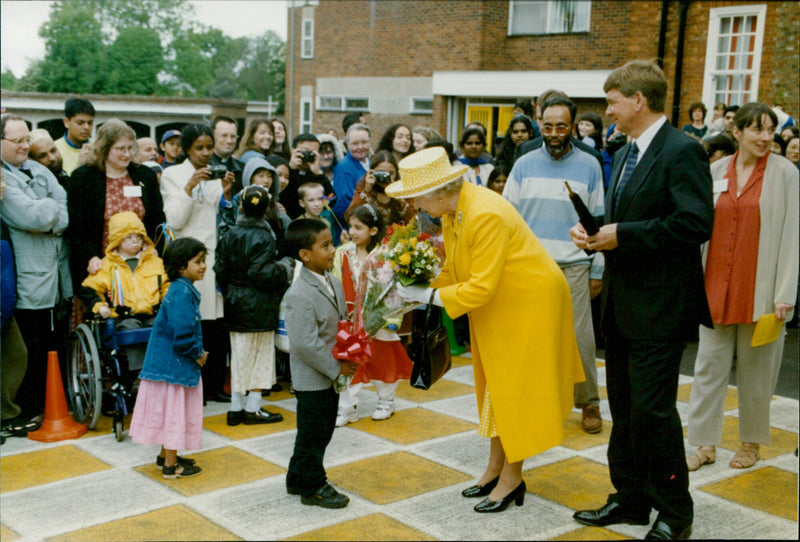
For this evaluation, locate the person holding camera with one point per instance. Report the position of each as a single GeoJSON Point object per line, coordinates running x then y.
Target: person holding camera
{"type": "Point", "coordinates": [192, 192]}
{"type": "Point", "coordinates": [372, 190]}
{"type": "Point", "coordinates": [304, 167]}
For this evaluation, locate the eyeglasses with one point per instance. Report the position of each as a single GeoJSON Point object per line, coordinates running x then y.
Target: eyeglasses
{"type": "Point", "coordinates": [560, 129]}
{"type": "Point", "coordinates": [123, 150]}
{"type": "Point", "coordinates": [20, 140]}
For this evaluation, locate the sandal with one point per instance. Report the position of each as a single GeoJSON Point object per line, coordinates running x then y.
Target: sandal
{"type": "Point", "coordinates": [180, 471]}
{"type": "Point", "coordinates": [746, 456]}
{"type": "Point", "coordinates": [701, 456]}
{"type": "Point", "coordinates": [182, 461]}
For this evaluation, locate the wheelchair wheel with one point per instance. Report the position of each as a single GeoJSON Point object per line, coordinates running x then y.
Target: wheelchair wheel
{"type": "Point", "coordinates": [119, 429]}
{"type": "Point", "coordinates": [85, 386]}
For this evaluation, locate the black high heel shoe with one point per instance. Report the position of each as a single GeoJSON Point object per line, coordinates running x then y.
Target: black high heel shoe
{"type": "Point", "coordinates": [480, 491]}
{"type": "Point", "coordinates": [517, 495]}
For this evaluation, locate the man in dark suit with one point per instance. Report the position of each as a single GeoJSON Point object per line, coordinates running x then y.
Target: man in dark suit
{"type": "Point", "coordinates": [225, 135]}
{"type": "Point", "coordinates": [658, 212]}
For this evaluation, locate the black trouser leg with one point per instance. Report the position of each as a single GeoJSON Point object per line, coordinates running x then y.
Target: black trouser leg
{"type": "Point", "coordinates": [316, 420]}
{"type": "Point", "coordinates": [38, 332]}
{"type": "Point", "coordinates": [216, 341]}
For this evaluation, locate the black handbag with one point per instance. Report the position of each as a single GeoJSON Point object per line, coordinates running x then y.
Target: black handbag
{"type": "Point", "coordinates": [429, 348]}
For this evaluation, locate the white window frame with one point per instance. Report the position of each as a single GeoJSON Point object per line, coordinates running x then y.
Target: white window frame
{"type": "Point", "coordinates": [414, 105]}
{"type": "Point", "coordinates": [343, 106]}
{"type": "Point", "coordinates": [307, 38]}
{"type": "Point", "coordinates": [359, 108]}
{"type": "Point", "coordinates": [306, 124]}
{"type": "Point", "coordinates": [550, 6]}
{"type": "Point", "coordinates": [715, 14]}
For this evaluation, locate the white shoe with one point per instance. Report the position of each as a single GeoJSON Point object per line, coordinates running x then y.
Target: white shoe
{"type": "Point", "coordinates": [346, 416]}
{"type": "Point", "coordinates": [383, 411]}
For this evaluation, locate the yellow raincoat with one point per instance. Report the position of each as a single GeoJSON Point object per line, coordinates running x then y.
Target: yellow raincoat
{"type": "Point", "coordinates": [140, 289]}
{"type": "Point", "coordinates": [520, 314]}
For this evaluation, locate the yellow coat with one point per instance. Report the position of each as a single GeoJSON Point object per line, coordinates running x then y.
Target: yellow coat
{"type": "Point", "coordinates": [140, 288]}
{"type": "Point", "coordinates": [520, 314]}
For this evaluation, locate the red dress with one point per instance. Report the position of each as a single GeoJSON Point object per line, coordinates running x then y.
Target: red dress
{"type": "Point", "coordinates": [389, 362]}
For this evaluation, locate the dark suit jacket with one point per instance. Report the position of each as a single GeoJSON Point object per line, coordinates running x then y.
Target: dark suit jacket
{"type": "Point", "coordinates": [234, 166]}
{"type": "Point", "coordinates": [86, 202]}
{"type": "Point", "coordinates": [654, 278]}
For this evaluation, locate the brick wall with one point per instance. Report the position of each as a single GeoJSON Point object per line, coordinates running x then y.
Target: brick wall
{"type": "Point", "coordinates": [404, 38]}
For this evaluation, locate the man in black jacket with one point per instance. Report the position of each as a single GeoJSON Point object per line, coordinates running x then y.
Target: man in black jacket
{"type": "Point", "coordinates": [225, 135]}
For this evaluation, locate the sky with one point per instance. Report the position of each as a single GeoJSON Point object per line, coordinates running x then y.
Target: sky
{"type": "Point", "coordinates": [20, 22]}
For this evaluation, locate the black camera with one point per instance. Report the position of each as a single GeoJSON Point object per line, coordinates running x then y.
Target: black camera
{"type": "Point", "coordinates": [217, 172]}
{"type": "Point", "coordinates": [307, 156]}
{"type": "Point", "coordinates": [382, 178]}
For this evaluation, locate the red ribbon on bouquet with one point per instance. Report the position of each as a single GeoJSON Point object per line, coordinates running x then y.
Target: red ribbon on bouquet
{"type": "Point", "coordinates": [350, 346]}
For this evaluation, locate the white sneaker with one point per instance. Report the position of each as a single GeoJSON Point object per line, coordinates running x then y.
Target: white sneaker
{"type": "Point", "coordinates": [383, 411]}
{"type": "Point", "coordinates": [346, 416]}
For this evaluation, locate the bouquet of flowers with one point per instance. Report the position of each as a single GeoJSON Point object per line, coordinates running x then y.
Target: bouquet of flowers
{"type": "Point", "coordinates": [405, 257]}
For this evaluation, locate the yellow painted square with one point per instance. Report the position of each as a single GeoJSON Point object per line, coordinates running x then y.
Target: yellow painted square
{"type": "Point", "coordinates": [578, 439]}
{"type": "Point", "coordinates": [275, 396]}
{"type": "Point", "coordinates": [394, 477]}
{"type": "Point", "coordinates": [603, 392]}
{"type": "Point", "coordinates": [781, 442]}
{"type": "Point", "coordinates": [7, 534]}
{"type": "Point", "coordinates": [460, 361]}
{"type": "Point", "coordinates": [219, 424]}
{"type": "Point", "coordinates": [413, 425]}
{"type": "Point", "coordinates": [577, 483]}
{"type": "Point", "coordinates": [223, 467]}
{"type": "Point", "coordinates": [105, 426]}
{"type": "Point", "coordinates": [177, 522]}
{"type": "Point", "coordinates": [600, 363]}
{"type": "Point", "coordinates": [443, 389]}
{"type": "Point", "coordinates": [770, 489]}
{"type": "Point", "coordinates": [372, 527]}
{"type": "Point", "coordinates": [592, 533]}
{"type": "Point", "coordinates": [731, 396]}
{"type": "Point", "coordinates": [44, 466]}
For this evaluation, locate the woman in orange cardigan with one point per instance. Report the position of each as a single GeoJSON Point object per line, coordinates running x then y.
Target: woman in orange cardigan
{"type": "Point", "coordinates": [524, 353]}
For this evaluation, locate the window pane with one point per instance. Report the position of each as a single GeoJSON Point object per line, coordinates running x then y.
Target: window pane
{"type": "Point", "coordinates": [356, 103]}
{"type": "Point", "coordinates": [530, 17]}
{"type": "Point", "coordinates": [330, 102]}
{"type": "Point", "coordinates": [307, 28]}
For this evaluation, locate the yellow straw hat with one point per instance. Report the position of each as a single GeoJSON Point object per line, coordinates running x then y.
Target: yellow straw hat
{"type": "Point", "coordinates": [424, 172]}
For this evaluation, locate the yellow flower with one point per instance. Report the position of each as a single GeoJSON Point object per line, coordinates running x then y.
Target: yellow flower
{"type": "Point", "coordinates": [405, 258]}
{"type": "Point", "coordinates": [254, 200]}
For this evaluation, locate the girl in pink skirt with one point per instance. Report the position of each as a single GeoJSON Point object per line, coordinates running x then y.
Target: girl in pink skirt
{"type": "Point", "coordinates": [169, 405]}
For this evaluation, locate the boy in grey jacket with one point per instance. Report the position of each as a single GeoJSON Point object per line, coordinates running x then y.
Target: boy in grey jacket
{"type": "Point", "coordinates": [314, 305]}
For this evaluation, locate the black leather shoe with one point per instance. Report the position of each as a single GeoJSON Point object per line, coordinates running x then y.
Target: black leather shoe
{"type": "Point", "coordinates": [613, 512]}
{"type": "Point", "coordinates": [220, 397]}
{"type": "Point", "coordinates": [261, 416]}
{"type": "Point", "coordinates": [662, 531]}
{"type": "Point", "coordinates": [480, 491]}
{"type": "Point", "coordinates": [517, 495]}
{"type": "Point", "coordinates": [326, 497]}
{"type": "Point", "coordinates": [235, 417]}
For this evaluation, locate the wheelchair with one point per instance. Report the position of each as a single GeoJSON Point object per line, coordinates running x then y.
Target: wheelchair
{"type": "Point", "coordinates": [98, 380]}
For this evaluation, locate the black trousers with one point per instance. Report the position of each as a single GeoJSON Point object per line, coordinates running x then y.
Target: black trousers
{"type": "Point", "coordinates": [316, 420]}
{"type": "Point", "coordinates": [217, 343]}
{"type": "Point", "coordinates": [42, 330]}
{"type": "Point", "coordinates": [646, 456]}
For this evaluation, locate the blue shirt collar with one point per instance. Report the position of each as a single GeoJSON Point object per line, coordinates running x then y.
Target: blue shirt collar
{"type": "Point", "coordinates": [70, 143]}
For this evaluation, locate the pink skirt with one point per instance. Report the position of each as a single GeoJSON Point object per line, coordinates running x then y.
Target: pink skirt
{"type": "Point", "coordinates": [168, 414]}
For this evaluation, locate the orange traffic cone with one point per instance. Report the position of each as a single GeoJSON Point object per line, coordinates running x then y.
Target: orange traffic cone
{"type": "Point", "coordinates": [57, 424]}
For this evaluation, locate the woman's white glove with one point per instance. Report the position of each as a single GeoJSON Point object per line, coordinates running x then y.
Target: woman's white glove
{"type": "Point", "coordinates": [418, 294]}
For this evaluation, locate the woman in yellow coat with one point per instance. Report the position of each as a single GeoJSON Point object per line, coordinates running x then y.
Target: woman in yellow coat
{"type": "Point", "coordinates": [524, 353]}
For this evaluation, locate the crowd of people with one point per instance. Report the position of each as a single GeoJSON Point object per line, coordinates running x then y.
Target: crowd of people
{"type": "Point", "coordinates": [204, 234]}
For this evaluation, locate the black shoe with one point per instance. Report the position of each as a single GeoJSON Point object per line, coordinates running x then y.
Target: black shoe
{"type": "Point", "coordinates": [613, 512]}
{"type": "Point", "coordinates": [182, 461]}
{"type": "Point", "coordinates": [220, 397]}
{"type": "Point", "coordinates": [480, 491]}
{"type": "Point", "coordinates": [662, 531]}
{"type": "Point", "coordinates": [517, 495]}
{"type": "Point", "coordinates": [185, 472]}
{"type": "Point", "coordinates": [261, 416]}
{"type": "Point", "coordinates": [276, 388]}
{"type": "Point", "coordinates": [326, 497]}
{"type": "Point", "coordinates": [235, 417]}
{"type": "Point", "coordinates": [265, 393]}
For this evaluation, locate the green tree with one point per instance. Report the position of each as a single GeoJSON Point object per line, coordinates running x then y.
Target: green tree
{"type": "Point", "coordinates": [73, 50]}
{"type": "Point", "coordinates": [8, 81]}
{"type": "Point", "coordinates": [133, 62]}
{"type": "Point", "coordinates": [263, 68]}
{"type": "Point", "coordinates": [205, 62]}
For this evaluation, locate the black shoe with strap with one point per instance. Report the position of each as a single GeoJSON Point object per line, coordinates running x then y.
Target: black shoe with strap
{"type": "Point", "coordinates": [261, 416]}
{"type": "Point", "coordinates": [183, 461]}
{"type": "Point", "coordinates": [326, 497]}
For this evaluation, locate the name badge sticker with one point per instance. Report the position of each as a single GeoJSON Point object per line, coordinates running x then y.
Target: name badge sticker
{"type": "Point", "coordinates": [134, 191]}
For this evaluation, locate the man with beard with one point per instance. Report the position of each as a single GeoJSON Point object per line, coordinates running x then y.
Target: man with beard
{"type": "Point", "coordinates": [536, 188]}
{"type": "Point", "coordinates": [43, 150]}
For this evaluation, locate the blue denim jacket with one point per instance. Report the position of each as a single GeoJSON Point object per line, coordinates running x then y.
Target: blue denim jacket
{"type": "Point", "coordinates": [176, 341]}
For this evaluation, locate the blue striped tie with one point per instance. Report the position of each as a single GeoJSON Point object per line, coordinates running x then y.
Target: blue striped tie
{"type": "Point", "coordinates": [630, 165]}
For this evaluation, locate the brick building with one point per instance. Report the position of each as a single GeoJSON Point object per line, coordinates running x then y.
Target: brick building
{"type": "Point", "coordinates": [440, 64]}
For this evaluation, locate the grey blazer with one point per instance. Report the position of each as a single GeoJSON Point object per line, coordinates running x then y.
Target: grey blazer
{"type": "Point", "coordinates": [312, 317]}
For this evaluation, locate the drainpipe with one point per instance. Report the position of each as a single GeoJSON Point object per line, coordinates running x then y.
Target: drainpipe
{"type": "Point", "coordinates": [676, 94]}
{"type": "Point", "coordinates": [662, 33]}
{"type": "Point", "coordinates": [289, 98]}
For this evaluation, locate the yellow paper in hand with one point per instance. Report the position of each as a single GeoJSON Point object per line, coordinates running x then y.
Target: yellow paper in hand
{"type": "Point", "coordinates": [767, 330]}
